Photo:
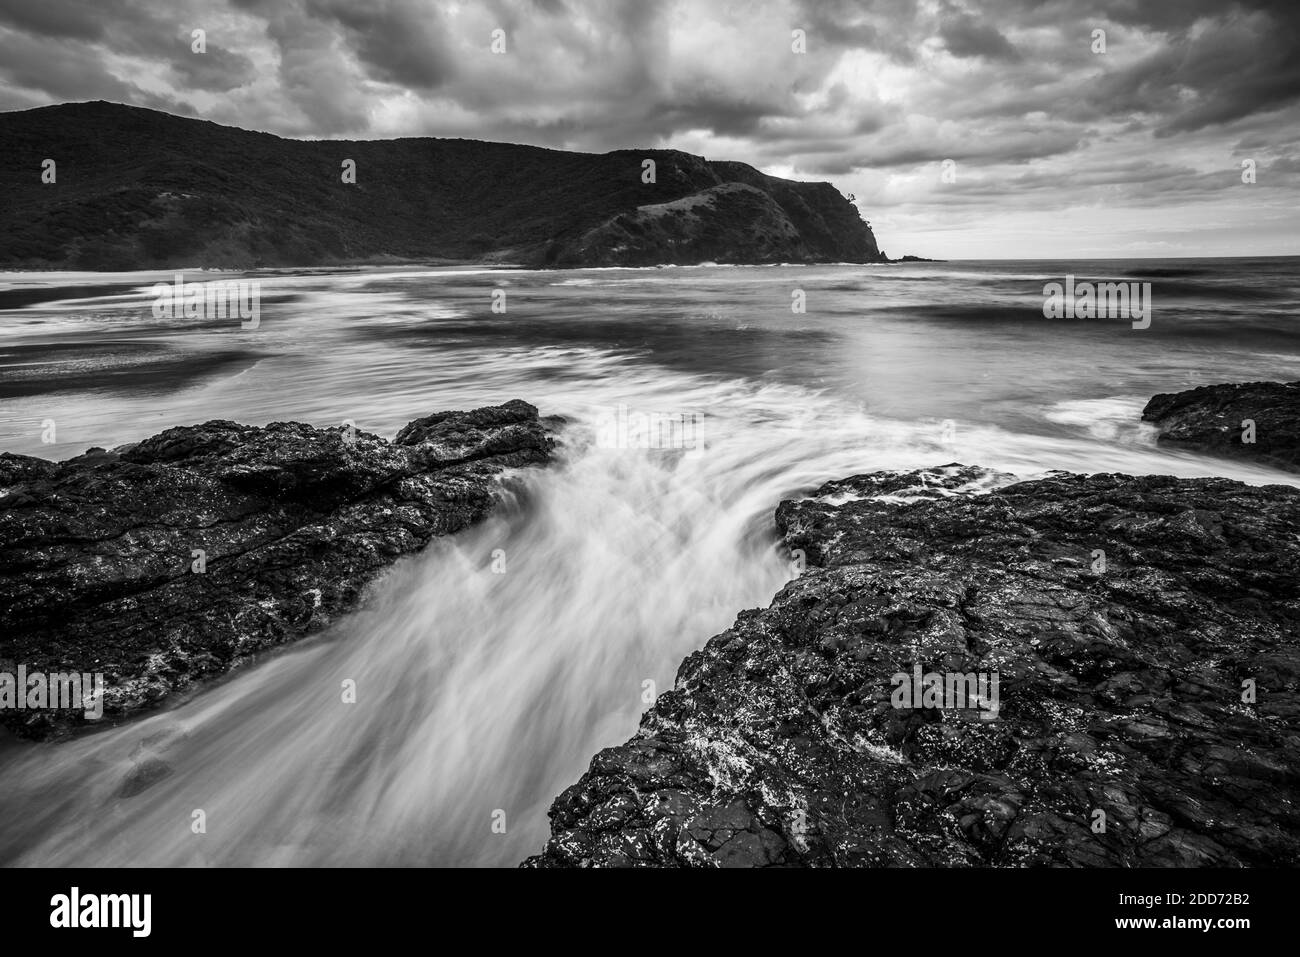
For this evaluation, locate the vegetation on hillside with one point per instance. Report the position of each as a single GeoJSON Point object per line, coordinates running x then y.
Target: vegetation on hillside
{"type": "Point", "coordinates": [136, 188]}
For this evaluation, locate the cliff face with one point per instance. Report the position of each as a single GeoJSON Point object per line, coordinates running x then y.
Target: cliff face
{"type": "Point", "coordinates": [136, 188]}
{"type": "Point", "coordinates": [827, 222]}
{"type": "Point", "coordinates": [1143, 636]}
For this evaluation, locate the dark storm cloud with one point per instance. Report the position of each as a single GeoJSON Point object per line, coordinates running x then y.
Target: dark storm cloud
{"type": "Point", "coordinates": [58, 70]}
{"type": "Point", "coordinates": [1176, 17]}
{"type": "Point", "coordinates": [216, 70]}
{"type": "Point", "coordinates": [61, 48]}
{"type": "Point", "coordinates": [1012, 90]}
{"type": "Point", "coordinates": [850, 24]}
{"type": "Point", "coordinates": [1285, 164]}
{"type": "Point", "coordinates": [965, 36]}
{"type": "Point", "coordinates": [1234, 65]}
{"type": "Point", "coordinates": [398, 41]}
{"type": "Point", "coordinates": [717, 110]}
{"type": "Point", "coordinates": [996, 147]}
{"type": "Point", "coordinates": [335, 61]}
{"type": "Point", "coordinates": [58, 18]}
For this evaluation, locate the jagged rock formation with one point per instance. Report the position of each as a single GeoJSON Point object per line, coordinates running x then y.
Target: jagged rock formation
{"type": "Point", "coordinates": [136, 189]}
{"type": "Point", "coordinates": [1144, 631]}
{"type": "Point", "coordinates": [98, 569]}
{"type": "Point", "coordinates": [1255, 420]}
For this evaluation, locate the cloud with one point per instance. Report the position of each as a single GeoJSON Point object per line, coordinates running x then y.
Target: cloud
{"type": "Point", "coordinates": [1012, 90]}
{"type": "Point", "coordinates": [1212, 72]}
{"type": "Point", "coordinates": [58, 70]}
{"type": "Point", "coordinates": [397, 41]}
{"type": "Point", "coordinates": [965, 36]}
{"type": "Point", "coordinates": [74, 19]}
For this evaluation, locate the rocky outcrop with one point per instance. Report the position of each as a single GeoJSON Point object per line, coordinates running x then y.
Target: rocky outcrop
{"type": "Point", "coordinates": [749, 219]}
{"type": "Point", "coordinates": [1254, 420]}
{"type": "Point", "coordinates": [829, 224]}
{"type": "Point", "coordinates": [170, 560]}
{"type": "Point", "coordinates": [1143, 633]}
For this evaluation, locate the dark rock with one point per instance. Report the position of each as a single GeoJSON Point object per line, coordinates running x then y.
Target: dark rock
{"type": "Point", "coordinates": [1121, 688]}
{"type": "Point", "coordinates": [96, 552]}
{"type": "Point", "coordinates": [1214, 418]}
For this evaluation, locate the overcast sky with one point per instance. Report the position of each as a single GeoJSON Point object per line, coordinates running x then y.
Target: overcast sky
{"type": "Point", "coordinates": [1058, 150]}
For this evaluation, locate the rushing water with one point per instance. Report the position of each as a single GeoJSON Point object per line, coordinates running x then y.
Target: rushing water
{"type": "Point", "coordinates": [482, 692]}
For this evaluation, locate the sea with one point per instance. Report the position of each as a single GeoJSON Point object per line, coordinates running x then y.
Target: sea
{"type": "Point", "coordinates": [491, 667]}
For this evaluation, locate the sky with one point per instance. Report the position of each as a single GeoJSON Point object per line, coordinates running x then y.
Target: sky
{"type": "Point", "coordinates": [998, 129]}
